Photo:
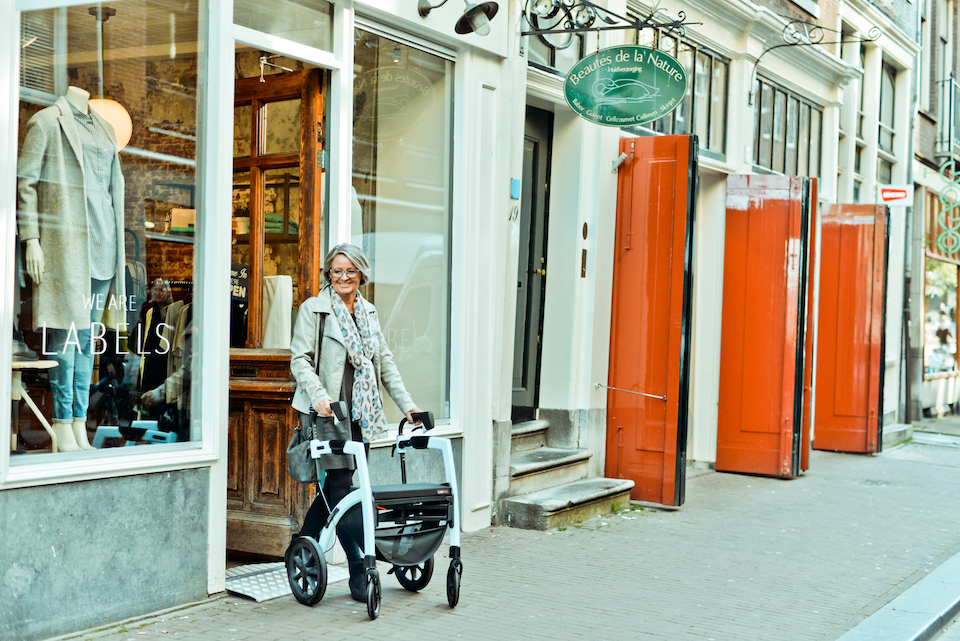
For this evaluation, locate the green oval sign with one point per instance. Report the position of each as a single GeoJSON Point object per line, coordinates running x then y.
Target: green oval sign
{"type": "Point", "coordinates": [625, 85]}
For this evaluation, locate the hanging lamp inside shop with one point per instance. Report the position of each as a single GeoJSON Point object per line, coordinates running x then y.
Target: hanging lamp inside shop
{"type": "Point", "coordinates": [110, 110]}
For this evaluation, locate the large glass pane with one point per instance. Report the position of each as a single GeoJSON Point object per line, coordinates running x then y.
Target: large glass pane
{"type": "Point", "coordinates": [887, 103]}
{"type": "Point", "coordinates": [106, 229]}
{"type": "Point", "coordinates": [565, 58]}
{"type": "Point", "coordinates": [803, 138]}
{"type": "Point", "coordinates": [242, 130]}
{"type": "Point", "coordinates": [682, 114]}
{"type": "Point", "coordinates": [309, 22]}
{"type": "Point", "coordinates": [281, 123]}
{"type": "Point", "coordinates": [940, 318]}
{"type": "Point", "coordinates": [701, 92]}
{"type": "Point", "coordinates": [401, 218]}
{"type": "Point", "coordinates": [718, 106]}
{"type": "Point", "coordinates": [816, 116]}
{"type": "Point", "coordinates": [240, 260]}
{"type": "Point", "coordinates": [765, 126]}
{"type": "Point", "coordinates": [779, 130]}
{"type": "Point", "coordinates": [281, 256]}
{"type": "Point", "coordinates": [790, 161]}
{"type": "Point", "coordinates": [884, 172]}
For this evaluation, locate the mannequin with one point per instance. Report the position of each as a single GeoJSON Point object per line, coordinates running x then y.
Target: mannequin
{"type": "Point", "coordinates": [74, 245]}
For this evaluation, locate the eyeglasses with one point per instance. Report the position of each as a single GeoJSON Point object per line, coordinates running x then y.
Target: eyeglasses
{"type": "Point", "coordinates": [340, 273]}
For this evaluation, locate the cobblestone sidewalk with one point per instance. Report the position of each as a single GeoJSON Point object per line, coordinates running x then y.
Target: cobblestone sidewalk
{"type": "Point", "coordinates": [747, 558]}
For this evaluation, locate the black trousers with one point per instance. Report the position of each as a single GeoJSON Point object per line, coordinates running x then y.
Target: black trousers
{"type": "Point", "coordinates": [336, 485]}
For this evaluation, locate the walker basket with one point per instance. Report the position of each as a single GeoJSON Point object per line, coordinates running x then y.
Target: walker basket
{"type": "Point", "coordinates": [410, 544]}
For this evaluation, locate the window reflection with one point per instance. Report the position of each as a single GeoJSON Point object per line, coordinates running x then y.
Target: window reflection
{"type": "Point", "coordinates": [106, 227]}
{"type": "Point", "coordinates": [401, 211]}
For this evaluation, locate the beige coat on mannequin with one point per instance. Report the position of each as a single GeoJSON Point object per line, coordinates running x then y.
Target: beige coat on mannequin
{"type": "Point", "coordinates": [52, 207]}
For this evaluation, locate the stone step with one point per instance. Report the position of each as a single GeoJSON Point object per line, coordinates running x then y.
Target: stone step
{"type": "Point", "coordinates": [896, 433]}
{"type": "Point", "coordinates": [566, 504]}
{"type": "Point", "coordinates": [528, 435]}
{"type": "Point", "coordinates": [545, 467]}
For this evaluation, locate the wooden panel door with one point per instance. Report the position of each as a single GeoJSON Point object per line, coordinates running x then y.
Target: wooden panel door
{"type": "Point", "coordinates": [263, 504]}
{"type": "Point", "coordinates": [764, 327]}
{"type": "Point", "coordinates": [850, 343]}
{"type": "Point", "coordinates": [650, 324]}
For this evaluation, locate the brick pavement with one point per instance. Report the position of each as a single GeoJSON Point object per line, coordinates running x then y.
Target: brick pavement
{"type": "Point", "coordinates": [747, 558]}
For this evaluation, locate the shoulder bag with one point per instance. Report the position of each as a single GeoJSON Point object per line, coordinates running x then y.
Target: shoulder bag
{"type": "Point", "coordinates": [301, 466]}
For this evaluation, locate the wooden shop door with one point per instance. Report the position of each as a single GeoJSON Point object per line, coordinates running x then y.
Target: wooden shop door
{"type": "Point", "coordinates": [277, 219]}
{"type": "Point", "coordinates": [766, 339]}
{"type": "Point", "coordinates": [650, 324]}
{"type": "Point", "coordinates": [851, 329]}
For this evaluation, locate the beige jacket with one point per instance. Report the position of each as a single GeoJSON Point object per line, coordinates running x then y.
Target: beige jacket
{"type": "Point", "coordinates": [312, 389]}
{"type": "Point", "coordinates": [52, 206]}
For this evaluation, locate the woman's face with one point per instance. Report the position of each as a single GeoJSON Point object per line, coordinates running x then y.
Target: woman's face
{"type": "Point", "coordinates": [345, 285]}
{"type": "Point", "coordinates": [160, 292]}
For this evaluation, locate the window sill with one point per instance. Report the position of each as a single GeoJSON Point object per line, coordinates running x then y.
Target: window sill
{"type": "Point", "coordinates": [941, 375]}
{"type": "Point", "coordinates": [66, 467]}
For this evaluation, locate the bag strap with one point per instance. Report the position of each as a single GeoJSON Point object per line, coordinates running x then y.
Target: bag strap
{"type": "Point", "coordinates": [312, 430]}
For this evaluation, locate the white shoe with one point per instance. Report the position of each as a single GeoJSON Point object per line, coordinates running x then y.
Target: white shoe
{"type": "Point", "coordinates": [66, 440]}
{"type": "Point", "coordinates": [80, 433]}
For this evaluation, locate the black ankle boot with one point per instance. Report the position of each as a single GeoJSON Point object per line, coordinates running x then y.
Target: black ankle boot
{"type": "Point", "coordinates": [358, 582]}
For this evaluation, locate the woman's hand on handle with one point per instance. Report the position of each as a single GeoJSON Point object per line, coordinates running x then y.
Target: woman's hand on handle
{"type": "Point", "coordinates": [415, 410]}
{"type": "Point", "coordinates": [323, 408]}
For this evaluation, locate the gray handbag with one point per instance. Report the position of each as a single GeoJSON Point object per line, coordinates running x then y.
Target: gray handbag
{"type": "Point", "coordinates": [302, 467]}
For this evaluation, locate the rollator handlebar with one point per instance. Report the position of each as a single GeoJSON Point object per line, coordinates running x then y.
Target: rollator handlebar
{"type": "Point", "coordinates": [425, 417]}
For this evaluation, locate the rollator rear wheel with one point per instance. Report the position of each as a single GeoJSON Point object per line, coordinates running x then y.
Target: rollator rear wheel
{"type": "Point", "coordinates": [373, 596]}
{"type": "Point", "coordinates": [453, 582]}
{"type": "Point", "coordinates": [415, 577]}
{"type": "Point", "coordinates": [306, 570]}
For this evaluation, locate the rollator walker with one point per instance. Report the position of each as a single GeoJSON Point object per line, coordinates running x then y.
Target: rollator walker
{"type": "Point", "coordinates": [403, 524]}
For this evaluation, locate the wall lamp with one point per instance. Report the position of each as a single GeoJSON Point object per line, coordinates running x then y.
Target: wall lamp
{"type": "Point", "coordinates": [476, 18]}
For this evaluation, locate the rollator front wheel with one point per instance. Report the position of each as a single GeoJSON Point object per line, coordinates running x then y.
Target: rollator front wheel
{"type": "Point", "coordinates": [453, 582]}
{"type": "Point", "coordinates": [415, 577]}
{"type": "Point", "coordinates": [306, 570]}
{"type": "Point", "coordinates": [373, 595]}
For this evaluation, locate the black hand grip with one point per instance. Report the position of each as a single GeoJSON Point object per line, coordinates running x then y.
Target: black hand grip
{"type": "Point", "coordinates": [337, 446]}
{"type": "Point", "coordinates": [426, 417]}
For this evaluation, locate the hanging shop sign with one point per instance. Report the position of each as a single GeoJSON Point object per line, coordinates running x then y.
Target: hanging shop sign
{"type": "Point", "coordinates": [625, 85]}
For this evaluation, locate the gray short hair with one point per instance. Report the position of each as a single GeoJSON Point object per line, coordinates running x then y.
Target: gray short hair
{"type": "Point", "coordinates": [352, 253]}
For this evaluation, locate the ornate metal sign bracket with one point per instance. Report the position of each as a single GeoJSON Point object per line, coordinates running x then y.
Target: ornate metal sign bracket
{"type": "Point", "coordinates": [565, 17]}
{"type": "Point", "coordinates": [798, 33]}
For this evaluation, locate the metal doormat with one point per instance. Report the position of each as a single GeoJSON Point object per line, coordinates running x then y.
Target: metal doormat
{"type": "Point", "coordinates": [265, 581]}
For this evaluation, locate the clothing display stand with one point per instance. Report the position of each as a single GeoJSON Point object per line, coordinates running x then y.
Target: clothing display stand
{"type": "Point", "coordinates": [18, 391]}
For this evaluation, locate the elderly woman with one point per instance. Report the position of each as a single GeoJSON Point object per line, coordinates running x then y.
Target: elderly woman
{"type": "Point", "coordinates": [352, 359]}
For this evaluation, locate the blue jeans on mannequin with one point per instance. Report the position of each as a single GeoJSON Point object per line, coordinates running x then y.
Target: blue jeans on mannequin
{"type": "Point", "coordinates": [70, 380]}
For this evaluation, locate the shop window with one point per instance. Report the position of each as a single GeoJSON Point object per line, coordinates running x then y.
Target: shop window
{"type": "Point", "coordinates": [402, 137]}
{"type": "Point", "coordinates": [704, 107]}
{"type": "Point", "coordinates": [940, 318]}
{"type": "Point", "coordinates": [787, 131]}
{"type": "Point", "coordinates": [107, 226]}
